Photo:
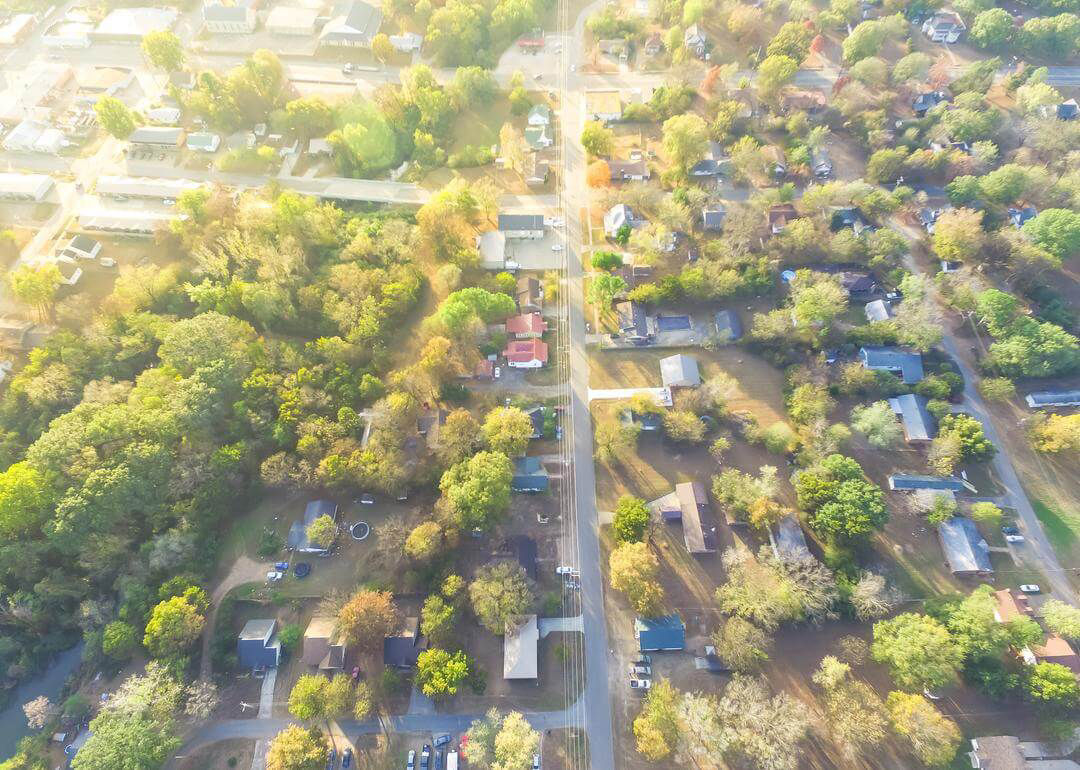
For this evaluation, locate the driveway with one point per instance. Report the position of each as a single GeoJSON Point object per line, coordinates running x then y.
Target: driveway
{"type": "Point", "coordinates": [662, 395]}
{"type": "Point", "coordinates": [561, 625]}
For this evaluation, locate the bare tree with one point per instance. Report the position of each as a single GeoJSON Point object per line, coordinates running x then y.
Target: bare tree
{"type": "Point", "coordinates": [38, 711]}
{"type": "Point", "coordinates": [873, 598]}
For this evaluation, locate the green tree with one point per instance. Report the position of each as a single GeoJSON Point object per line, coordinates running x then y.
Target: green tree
{"type": "Point", "coordinates": [791, 40]}
{"type": "Point", "coordinates": [986, 513]}
{"type": "Point", "coordinates": [933, 737]}
{"type": "Point", "coordinates": [367, 618]}
{"type": "Point", "coordinates": [974, 445]}
{"type": "Point", "coordinates": [508, 430]}
{"type": "Point", "coordinates": [322, 531]}
{"type": "Point", "coordinates": [173, 627]}
{"type": "Point", "coordinates": [634, 570]}
{"type": "Point", "coordinates": [886, 165]}
{"type": "Point", "coordinates": [126, 742]}
{"type": "Point", "coordinates": [878, 423]}
{"type": "Point", "coordinates": [656, 728]}
{"type": "Point", "coordinates": [309, 117]}
{"type": "Point", "coordinates": [26, 500]}
{"type": "Point", "coordinates": [295, 748]}
{"type": "Point", "coordinates": [993, 29]}
{"type": "Point", "coordinates": [381, 47]}
{"type": "Point", "coordinates": [439, 672]}
{"type": "Point", "coordinates": [604, 288]}
{"type": "Point", "coordinates": [1062, 618]}
{"type": "Point", "coordinates": [477, 490]}
{"type": "Point", "coordinates": [606, 261]}
{"type": "Point", "coordinates": [686, 140]}
{"type": "Point", "coordinates": [864, 41]}
{"type": "Point", "coordinates": [36, 287]}
{"type": "Point", "coordinates": [425, 541]}
{"type": "Point", "coordinates": [774, 73]}
{"type": "Point", "coordinates": [631, 519]}
{"type": "Point", "coordinates": [500, 593]}
{"type": "Point", "coordinates": [918, 650]}
{"type": "Point", "coordinates": [515, 744]}
{"type": "Point", "coordinates": [115, 117]}
{"type": "Point", "coordinates": [164, 50]}
{"type": "Point", "coordinates": [1052, 686]}
{"type": "Point", "coordinates": [119, 641]}
{"type": "Point", "coordinates": [1055, 230]}
{"type": "Point", "coordinates": [742, 645]}
{"type": "Point", "coordinates": [958, 235]}
{"type": "Point", "coordinates": [597, 139]}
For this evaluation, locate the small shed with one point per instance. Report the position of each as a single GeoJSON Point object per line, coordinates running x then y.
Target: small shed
{"type": "Point", "coordinates": [728, 326]}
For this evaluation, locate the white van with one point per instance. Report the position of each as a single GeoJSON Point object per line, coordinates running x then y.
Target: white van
{"type": "Point", "coordinates": [451, 761]}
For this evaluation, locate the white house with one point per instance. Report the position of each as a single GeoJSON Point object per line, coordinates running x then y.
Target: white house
{"type": "Point", "coordinates": [406, 42]}
{"type": "Point", "coordinates": [616, 217]}
{"type": "Point", "coordinates": [944, 27]}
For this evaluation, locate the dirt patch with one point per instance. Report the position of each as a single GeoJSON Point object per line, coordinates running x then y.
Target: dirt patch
{"type": "Point", "coordinates": [225, 755]}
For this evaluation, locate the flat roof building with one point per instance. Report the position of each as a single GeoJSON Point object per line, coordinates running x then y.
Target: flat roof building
{"type": "Point", "coordinates": [25, 187]}
{"type": "Point", "coordinates": [520, 644]}
{"type": "Point", "coordinates": [144, 187]}
{"type": "Point", "coordinates": [131, 25]}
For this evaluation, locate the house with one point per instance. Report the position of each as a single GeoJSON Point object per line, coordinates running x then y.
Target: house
{"type": "Point", "coordinates": [680, 371]}
{"type": "Point", "coordinates": [778, 215]}
{"type": "Point", "coordinates": [163, 116]}
{"type": "Point", "coordinates": [131, 25]}
{"type": "Point", "coordinates": [292, 20]}
{"type": "Point", "coordinates": [1018, 215]}
{"type": "Point", "coordinates": [848, 217]}
{"type": "Point", "coordinates": [877, 310]}
{"type": "Point", "coordinates": [81, 247]}
{"type": "Point", "coordinates": [775, 160]}
{"type": "Point", "coordinates": [919, 424]}
{"type": "Point", "coordinates": [529, 295]}
{"type": "Point", "coordinates": [353, 25]}
{"type": "Point", "coordinates": [927, 101]}
{"type": "Point", "coordinates": [319, 648]}
{"type": "Point", "coordinates": [70, 272]}
{"type": "Point", "coordinates": [790, 541]}
{"type": "Point", "coordinates": [203, 141]}
{"type": "Point", "coordinates": [520, 642]}
{"type": "Point", "coordinates": [617, 217]}
{"type": "Point", "coordinates": [258, 647]}
{"type": "Point", "coordinates": [320, 147]}
{"type": "Point", "coordinates": [605, 105]}
{"type": "Point", "coordinates": [536, 417]}
{"type": "Point", "coordinates": [807, 101]}
{"type": "Point", "coordinates": [400, 650]}
{"type": "Point", "coordinates": [903, 482]}
{"type": "Point", "coordinates": [407, 42]}
{"type": "Point", "coordinates": [1043, 399]}
{"type": "Point", "coordinates": [1010, 605]}
{"type": "Point", "coordinates": [297, 539]}
{"type": "Point", "coordinates": [712, 218]}
{"type": "Point", "coordinates": [656, 634]}
{"type": "Point", "coordinates": [492, 249]}
{"type": "Point", "coordinates": [526, 354]}
{"type": "Point", "coordinates": [1055, 649]}
{"type": "Point", "coordinates": [966, 552]}
{"type": "Point", "coordinates": [614, 47]}
{"type": "Point", "coordinates": [127, 221]}
{"type": "Point", "coordinates": [525, 552]}
{"type": "Point", "coordinates": [537, 137]}
{"type": "Point", "coordinates": [821, 164]}
{"type": "Point", "coordinates": [928, 218]}
{"type": "Point", "coordinates": [696, 41]}
{"type": "Point", "coordinates": [1067, 110]}
{"type": "Point", "coordinates": [25, 187]}
{"type": "Point", "coordinates": [142, 187]}
{"type": "Point", "coordinates": [886, 359]}
{"type": "Point", "coordinates": [526, 326]}
{"type": "Point", "coordinates": [537, 171]}
{"type": "Point", "coordinates": [728, 326]}
{"type": "Point", "coordinates": [633, 321]}
{"type": "Point", "coordinates": [533, 40]}
{"type": "Point", "coordinates": [521, 226]}
{"type": "Point", "coordinates": [229, 19]}
{"type": "Point", "coordinates": [654, 45]}
{"type": "Point", "coordinates": [997, 752]}
{"type": "Point", "coordinates": [530, 475]}
{"type": "Point", "coordinates": [161, 137]}
{"type": "Point", "coordinates": [689, 503]}
{"type": "Point", "coordinates": [944, 27]}
{"type": "Point", "coordinates": [711, 662]}
{"type": "Point", "coordinates": [629, 170]}
{"type": "Point", "coordinates": [429, 425]}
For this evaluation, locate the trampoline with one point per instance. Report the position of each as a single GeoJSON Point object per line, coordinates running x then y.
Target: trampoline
{"type": "Point", "coordinates": [360, 530]}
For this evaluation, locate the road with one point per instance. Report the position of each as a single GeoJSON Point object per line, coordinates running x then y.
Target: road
{"type": "Point", "coordinates": [1036, 549]}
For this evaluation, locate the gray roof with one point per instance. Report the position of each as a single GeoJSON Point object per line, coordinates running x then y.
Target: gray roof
{"type": "Point", "coordinates": [632, 318]}
{"type": "Point", "coordinates": [894, 360]}
{"type": "Point", "coordinates": [878, 310]}
{"type": "Point", "coordinates": [902, 482]}
{"type": "Point", "coordinates": [680, 370]}
{"type": "Point", "coordinates": [218, 12]}
{"type": "Point", "coordinates": [728, 325]}
{"type": "Point", "coordinates": [712, 217]}
{"type": "Point", "coordinates": [790, 541]}
{"type": "Point", "coordinates": [918, 423]}
{"type": "Point", "coordinates": [297, 538]}
{"type": "Point", "coordinates": [156, 135]}
{"type": "Point", "coordinates": [965, 549]}
{"type": "Point", "coordinates": [617, 216]}
{"type": "Point", "coordinates": [1053, 398]}
{"type": "Point", "coordinates": [259, 628]}
{"type": "Point", "coordinates": [521, 222]}
{"type": "Point", "coordinates": [356, 22]}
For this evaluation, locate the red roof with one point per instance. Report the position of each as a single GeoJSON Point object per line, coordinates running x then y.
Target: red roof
{"type": "Point", "coordinates": [523, 351]}
{"type": "Point", "coordinates": [527, 323]}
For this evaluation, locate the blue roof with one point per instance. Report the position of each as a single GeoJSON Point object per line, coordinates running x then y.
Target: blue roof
{"type": "Point", "coordinates": [663, 633]}
{"type": "Point", "coordinates": [894, 360]}
{"type": "Point", "coordinates": [529, 475]}
{"type": "Point", "coordinates": [904, 482]}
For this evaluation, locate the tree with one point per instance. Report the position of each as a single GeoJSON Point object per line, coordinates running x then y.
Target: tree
{"type": "Point", "coordinates": [842, 502]}
{"type": "Point", "coordinates": [173, 627]}
{"type": "Point", "coordinates": [934, 738]}
{"type": "Point", "coordinates": [1053, 38]}
{"type": "Point", "coordinates": [856, 716]}
{"type": "Point", "coordinates": [458, 437]}
{"type": "Point", "coordinates": [119, 641]}
{"type": "Point", "coordinates": [774, 73]}
{"type": "Point", "coordinates": [865, 40]}
{"type": "Point", "coordinates": [309, 116]}
{"type": "Point", "coordinates": [604, 288]}
{"type": "Point", "coordinates": [26, 500]}
{"type": "Point", "coordinates": [1062, 618]}
{"type": "Point", "coordinates": [515, 743]}
{"type": "Point", "coordinates": [878, 423]}
{"type": "Point", "coordinates": [631, 519]}
{"type": "Point", "coordinates": [439, 672]}
{"type": "Point", "coordinates": [35, 287]}
{"type": "Point", "coordinates": [598, 174]}
{"type": "Point", "coordinates": [499, 594]}
{"type": "Point", "coordinates": [164, 50]}
{"type": "Point", "coordinates": [886, 165]}
{"type": "Point", "coordinates": [508, 430]}
{"type": "Point", "coordinates": [997, 388]}
{"type": "Point", "coordinates": [683, 426]}
{"type": "Point", "coordinates": [1052, 686]}
{"type": "Point", "coordinates": [962, 238]}
{"type": "Point", "coordinates": [1055, 230]}
{"type": "Point", "coordinates": [686, 140]}
{"type": "Point", "coordinates": [792, 40]}
{"type": "Point", "coordinates": [634, 570]}
{"type": "Point", "coordinates": [914, 66]}
{"type": "Point", "coordinates": [425, 541]}
{"type": "Point", "coordinates": [132, 742]}
{"type": "Point", "coordinates": [770, 591]}
{"type": "Point", "coordinates": [479, 749]}
{"type": "Point", "coordinates": [918, 650]}
{"type": "Point", "coordinates": [597, 139]}
{"type": "Point", "coordinates": [615, 438]}
{"type": "Point", "coordinates": [115, 117]}
{"type": "Point", "coordinates": [742, 645]}
{"type": "Point", "coordinates": [606, 261]}
{"type": "Point", "coordinates": [872, 597]}
{"type": "Point", "coordinates": [1057, 433]}
{"type": "Point", "coordinates": [993, 29]}
{"type": "Point", "coordinates": [656, 728]}
{"type": "Point", "coordinates": [307, 699]}
{"type": "Point", "coordinates": [974, 445]}
{"type": "Point", "coordinates": [38, 712]}
{"type": "Point", "coordinates": [322, 531]}
{"type": "Point", "coordinates": [295, 748]}
{"type": "Point", "coordinates": [765, 729]}
{"type": "Point", "coordinates": [367, 618]}
{"type": "Point", "coordinates": [477, 490]}
{"type": "Point", "coordinates": [440, 614]}
{"type": "Point", "coordinates": [474, 85]}
{"type": "Point", "coordinates": [381, 47]}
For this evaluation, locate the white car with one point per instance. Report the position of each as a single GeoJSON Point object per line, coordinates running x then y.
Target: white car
{"type": "Point", "coordinates": [636, 668]}
{"type": "Point", "coordinates": [536, 762]}
{"type": "Point", "coordinates": [498, 372]}
{"type": "Point", "coordinates": [558, 222]}
{"type": "Point", "coordinates": [564, 570]}
{"type": "Point", "coordinates": [1014, 538]}
{"type": "Point", "coordinates": [107, 262]}
{"type": "Point", "coordinates": [1030, 588]}
{"type": "Point", "coordinates": [640, 684]}
{"type": "Point", "coordinates": [557, 247]}
{"type": "Point", "coordinates": [274, 576]}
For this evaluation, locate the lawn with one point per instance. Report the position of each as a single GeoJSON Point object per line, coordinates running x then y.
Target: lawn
{"type": "Point", "coordinates": [1060, 527]}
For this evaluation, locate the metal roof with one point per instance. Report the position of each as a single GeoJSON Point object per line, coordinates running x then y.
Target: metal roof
{"type": "Point", "coordinates": [663, 633]}
{"type": "Point", "coordinates": [519, 649]}
{"type": "Point", "coordinates": [894, 360]}
{"type": "Point", "coordinates": [1053, 398]}
{"type": "Point", "coordinates": [919, 424]}
{"type": "Point", "coordinates": [681, 370]}
{"type": "Point", "coordinates": [965, 549]}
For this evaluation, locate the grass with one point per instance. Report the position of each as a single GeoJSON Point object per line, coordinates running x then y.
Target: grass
{"type": "Point", "coordinates": [1063, 529]}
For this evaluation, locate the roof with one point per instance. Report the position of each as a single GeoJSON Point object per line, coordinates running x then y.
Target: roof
{"type": "Point", "coordinates": [318, 649]}
{"type": "Point", "coordinates": [169, 115]}
{"type": "Point", "coordinates": [663, 633]}
{"type": "Point", "coordinates": [894, 360]}
{"type": "Point", "coordinates": [523, 351]}
{"type": "Point", "coordinates": [877, 310]}
{"type": "Point", "coordinates": [126, 220]}
{"type": "Point", "coordinates": [780, 214]}
{"type": "Point", "coordinates": [356, 22]}
{"type": "Point", "coordinates": [298, 538]}
{"type": "Point", "coordinates": [728, 325]}
{"type": "Point", "coordinates": [291, 17]}
{"type": "Point", "coordinates": [790, 540]}
{"type": "Point", "coordinates": [519, 649]}
{"type": "Point", "coordinates": [492, 248]}
{"type": "Point", "coordinates": [632, 318]}
{"type": "Point", "coordinates": [1010, 605]}
{"type": "Point", "coordinates": [1053, 398]}
{"type": "Point", "coordinates": [529, 473]}
{"type": "Point", "coordinates": [965, 549]}
{"type": "Point", "coordinates": [521, 222]}
{"type": "Point", "coordinates": [628, 169]}
{"type": "Point", "coordinates": [537, 137]}
{"type": "Point", "coordinates": [536, 416]}
{"type": "Point", "coordinates": [524, 548]}
{"type": "Point", "coordinates": [693, 501]}
{"type": "Point", "coordinates": [218, 12]}
{"type": "Point", "coordinates": [203, 140]}
{"type": "Point", "coordinates": [157, 135]}
{"type": "Point", "coordinates": [403, 648]}
{"type": "Point", "coordinates": [136, 22]}
{"type": "Point", "coordinates": [528, 291]}
{"type": "Point", "coordinates": [680, 370]}
{"type": "Point", "coordinates": [618, 215]}
{"type": "Point", "coordinates": [919, 424]}
{"type": "Point", "coordinates": [1068, 110]}
{"type": "Point", "coordinates": [34, 185]}
{"type": "Point", "coordinates": [1056, 650]}
{"type": "Point", "coordinates": [83, 243]}
{"type": "Point", "coordinates": [541, 111]}
{"type": "Point", "coordinates": [904, 482]}
{"type": "Point", "coordinates": [260, 628]}
{"type": "Point", "coordinates": [143, 187]}
{"type": "Point", "coordinates": [997, 752]}
{"type": "Point", "coordinates": [713, 217]}
{"type": "Point", "coordinates": [927, 100]}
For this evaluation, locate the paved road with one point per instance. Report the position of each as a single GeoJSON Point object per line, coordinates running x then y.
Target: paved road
{"type": "Point", "coordinates": [1036, 549]}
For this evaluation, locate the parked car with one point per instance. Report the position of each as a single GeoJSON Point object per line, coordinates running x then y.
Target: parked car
{"type": "Point", "coordinates": [410, 764]}
{"type": "Point", "coordinates": [425, 757]}
{"type": "Point", "coordinates": [346, 758]}
{"type": "Point", "coordinates": [367, 499]}
{"type": "Point", "coordinates": [438, 759]}
{"type": "Point", "coordinates": [564, 570]}
{"type": "Point", "coordinates": [640, 684]}
{"type": "Point", "coordinates": [1014, 538]}
{"type": "Point", "coordinates": [1008, 529]}
{"type": "Point", "coordinates": [442, 740]}
{"type": "Point", "coordinates": [348, 68]}
{"type": "Point", "coordinates": [169, 201]}
{"type": "Point", "coordinates": [107, 262]}
{"type": "Point", "coordinates": [1030, 588]}
{"type": "Point", "coordinates": [274, 576]}
{"type": "Point", "coordinates": [643, 670]}
{"type": "Point", "coordinates": [557, 247]}
{"type": "Point", "coordinates": [643, 660]}
{"type": "Point", "coordinates": [331, 759]}
{"type": "Point", "coordinates": [281, 566]}
{"type": "Point", "coordinates": [498, 372]}
{"type": "Point", "coordinates": [536, 762]}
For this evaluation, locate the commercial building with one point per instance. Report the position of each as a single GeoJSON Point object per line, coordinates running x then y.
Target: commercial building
{"type": "Point", "coordinates": [163, 137]}
{"type": "Point", "coordinates": [229, 19]}
{"type": "Point", "coordinates": [289, 20]}
{"type": "Point", "coordinates": [144, 187]}
{"type": "Point", "coordinates": [25, 187]}
{"type": "Point", "coordinates": [126, 221]}
{"type": "Point", "coordinates": [131, 25]}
